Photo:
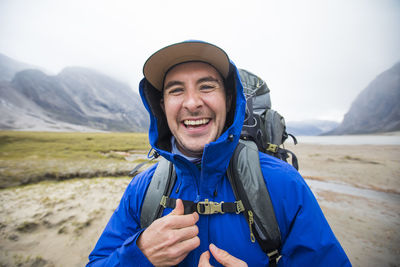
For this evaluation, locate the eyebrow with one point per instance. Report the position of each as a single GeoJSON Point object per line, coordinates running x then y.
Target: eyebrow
{"type": "Point", "coordinates": [172, 83]}
{"type": "Point", "coordinates": [208, 79]}
{"type": "Point", "coordinates": [201, 80]}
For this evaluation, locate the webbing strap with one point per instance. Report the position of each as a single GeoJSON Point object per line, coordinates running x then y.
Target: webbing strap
{"type": "Point", "coordinates": [205, 207]}
{"type": "Point", "coordinates": [282, 153]}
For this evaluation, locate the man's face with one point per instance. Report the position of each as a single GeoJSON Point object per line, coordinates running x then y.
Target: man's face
{"type": "Point", "coordinates": [194, 102]}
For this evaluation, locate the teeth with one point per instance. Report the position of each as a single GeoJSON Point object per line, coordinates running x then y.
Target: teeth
{"type": "Point", "coordinates": [196, 122]}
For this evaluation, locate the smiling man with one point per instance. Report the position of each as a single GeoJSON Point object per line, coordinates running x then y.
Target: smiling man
{"type": "Point", "coordinates": [195, 99]}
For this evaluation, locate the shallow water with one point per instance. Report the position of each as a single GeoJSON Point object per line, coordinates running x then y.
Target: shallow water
{"type": "Point", "coordinates": [350, 140]}
{"type": "Point", "coordinates": [343, 188]}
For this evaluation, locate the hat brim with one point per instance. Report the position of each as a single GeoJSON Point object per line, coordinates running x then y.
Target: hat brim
{"type": "Point", "coordinates": [158, 64]}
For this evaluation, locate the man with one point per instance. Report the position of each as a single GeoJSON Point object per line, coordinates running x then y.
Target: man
{"type": "Point", "coordinates": [194, 96]}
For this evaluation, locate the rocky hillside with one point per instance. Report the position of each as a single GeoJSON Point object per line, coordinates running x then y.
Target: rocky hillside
{"type": "Point", "coordinates": [376, 109]}
{"type": "Point", "coordinates": [75, 99]}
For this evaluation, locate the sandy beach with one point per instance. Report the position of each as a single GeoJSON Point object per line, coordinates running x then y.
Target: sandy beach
{"type": "Point", "coordinates": [358, 188]}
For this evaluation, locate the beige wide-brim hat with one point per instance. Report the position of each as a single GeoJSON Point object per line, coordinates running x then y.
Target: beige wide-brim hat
{"type": "Point", "coordinates": [158, 64]}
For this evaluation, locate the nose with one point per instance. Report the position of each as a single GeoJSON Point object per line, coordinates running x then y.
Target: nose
{"type": "Point", "coordinates": [192, 100]}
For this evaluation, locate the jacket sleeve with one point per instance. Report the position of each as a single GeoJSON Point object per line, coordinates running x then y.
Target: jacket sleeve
{"type": "Point", "coordinates": [307, 238]}
{"type": "Point", "coordinates": [117, 244]}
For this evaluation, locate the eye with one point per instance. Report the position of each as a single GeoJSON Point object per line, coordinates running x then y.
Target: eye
{"type": "Point", "coordinates": [175, 91]}
{"type": "Point", "coordinates": [208, 87]}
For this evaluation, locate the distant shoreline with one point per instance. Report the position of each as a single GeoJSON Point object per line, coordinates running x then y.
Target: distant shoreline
{"type": "Point", "coordinates": [392, 138]}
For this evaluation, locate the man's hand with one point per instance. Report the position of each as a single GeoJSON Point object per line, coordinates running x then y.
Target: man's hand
{"type": "Point", "coordinates": [169, 239]}
{"type": "Point", "coordinates": [221, 256]}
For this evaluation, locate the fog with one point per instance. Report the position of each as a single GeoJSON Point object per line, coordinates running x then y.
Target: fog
{"type": "Point", "coordinates": [316, 56]}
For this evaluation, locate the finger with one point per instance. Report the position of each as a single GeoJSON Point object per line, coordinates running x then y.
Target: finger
{"type": "Point", "coordinates": [205, 259]}
{"type": "Point", "coordinates": [181, 221]}
{"type": "Point", "coordinates": [225, 258]}
{"type": "Point", "coordinates": [186, 233]}
{"type": "Point", "coordinates": [177, 252]}
{"type": "Point", "coordinates": [179, 208]}
{"type": "Point", "coordinates": [186, 246]}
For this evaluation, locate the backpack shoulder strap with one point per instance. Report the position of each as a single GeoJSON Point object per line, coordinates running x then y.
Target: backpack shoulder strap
{"type": "Point", "coordinates": [161, 184]}
{"type": "Point", "coordinates": [248, 184]}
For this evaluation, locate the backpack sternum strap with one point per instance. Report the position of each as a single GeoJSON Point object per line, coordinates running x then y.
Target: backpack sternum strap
{"type": "Point", "coordinates": [209, 207]}
{"type": "Point", "coordinates": [205, 207]}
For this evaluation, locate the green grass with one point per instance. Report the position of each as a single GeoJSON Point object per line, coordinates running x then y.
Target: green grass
{"type": "Point", "coordinates": [28, 157]}
{"type": "Point", "coordinates": [48, 145]}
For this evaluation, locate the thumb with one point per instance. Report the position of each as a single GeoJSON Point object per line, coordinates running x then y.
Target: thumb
{"type": "Point", "coordinates": [225, 258]}
{"type": "Point", "coordinates": [179, 208]}
{"type": "Point", "coordinates": [204, 259]}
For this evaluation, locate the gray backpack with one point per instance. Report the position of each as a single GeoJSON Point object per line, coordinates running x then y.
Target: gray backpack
{"type": "Point", "coordinates": [264, 126]}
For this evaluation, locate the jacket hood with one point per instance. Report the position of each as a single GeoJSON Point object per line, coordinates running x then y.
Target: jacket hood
{"type": "Point", "coordinates": [160, 135]}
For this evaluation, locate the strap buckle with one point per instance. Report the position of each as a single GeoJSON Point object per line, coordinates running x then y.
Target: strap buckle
{"type": "Point", "coordinates": [272, 148]}
{"type": "Point", "coordinates": [239, 206]}
{"type": "Point", "coordinates": [209, 207]}
{"type": "Point", "coordinates": [274, 256]}
{"type": "Point", "coordinates": [163, 201]}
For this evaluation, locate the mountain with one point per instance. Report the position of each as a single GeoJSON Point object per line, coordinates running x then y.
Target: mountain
{"type": "Point", "coordinates": [77, 99]}
{"type": "Point", "coordinates": [9, 67]}
{"type": "Point", "coordinates": [310, 127]}
{"type": "Point", "coordinates": [376, 109]}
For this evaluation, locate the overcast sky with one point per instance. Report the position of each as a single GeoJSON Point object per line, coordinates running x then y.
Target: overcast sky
{"type": "Point", "coordinates": [316, 56]}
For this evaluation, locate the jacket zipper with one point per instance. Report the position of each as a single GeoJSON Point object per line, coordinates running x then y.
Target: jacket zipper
{"type": "Point", "coordinates": [193, 174]}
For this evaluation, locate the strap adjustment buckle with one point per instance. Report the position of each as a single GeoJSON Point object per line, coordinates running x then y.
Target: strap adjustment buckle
{"type": "Point", "coordinates": [163, 201]}
{"type": "Point", "coordinates": [239, 207]}
{"type": "Point", "coordinates": [274, 257]}
{"type": "Point", "coordinates": [272, 148]}
{"type": "Point", "coordinates": [209, 207]}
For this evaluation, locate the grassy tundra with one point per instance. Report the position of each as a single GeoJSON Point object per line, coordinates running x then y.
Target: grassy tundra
{"type": "Point", "coordinates": [29, 157]}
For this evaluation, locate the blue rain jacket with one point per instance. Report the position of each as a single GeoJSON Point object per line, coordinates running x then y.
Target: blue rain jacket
{"type": "Point", "coordinates": [307, 239]}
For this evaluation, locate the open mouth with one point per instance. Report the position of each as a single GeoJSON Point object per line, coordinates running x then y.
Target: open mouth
{"type": "Point", "coordinates": [196, 123]}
